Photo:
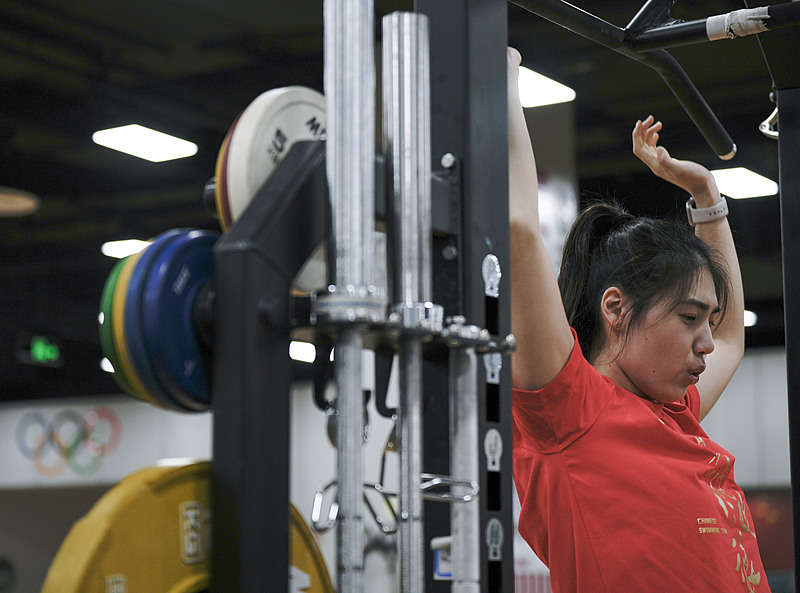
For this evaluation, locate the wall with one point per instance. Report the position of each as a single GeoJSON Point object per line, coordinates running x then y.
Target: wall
{"type": "Point", "coordinates": [751, 420]}
{"type": "Point", "coordinates": [43, 492]}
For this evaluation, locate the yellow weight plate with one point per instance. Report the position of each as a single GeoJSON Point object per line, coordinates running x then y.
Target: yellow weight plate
{"type": "Point", "coordinates": [151, 533]}
{"type": "Point", "coordinates": [307, 564]}
{"type": "Point", "coordinates": [107, 332]}
{"type": "Point", "coordinates": [118, 320]}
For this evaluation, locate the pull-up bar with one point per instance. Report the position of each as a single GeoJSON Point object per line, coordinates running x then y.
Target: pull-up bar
{"type": "Point", "coordinates": [739, 23]}
{"type": "Point", "coordinates": [649, 32]}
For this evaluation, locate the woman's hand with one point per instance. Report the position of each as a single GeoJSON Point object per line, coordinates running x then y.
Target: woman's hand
{"type": "Point", "coordinates": [688, 175]}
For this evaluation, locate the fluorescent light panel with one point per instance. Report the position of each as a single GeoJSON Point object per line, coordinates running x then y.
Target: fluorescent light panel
{"type": "Point", "coordinates": [123, 248]}
{"type": "Point", "coordinates": [145, 143]}
{"type": "Point", "coordinates": [741, 183]}
{"type": "Point", "coordinates": [302, 351]}
{"type": "Point", "coordinates": [536, 90]}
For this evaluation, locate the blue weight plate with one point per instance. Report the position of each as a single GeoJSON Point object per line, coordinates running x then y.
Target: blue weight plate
{"type": "Point", "coordinates": [176, 276]}
{"type": "Point", "coordinates": [133, 319]}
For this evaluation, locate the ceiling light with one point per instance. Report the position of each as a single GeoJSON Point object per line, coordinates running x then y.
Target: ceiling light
{"type": "Point", "coordinates": [145, 143]}
{"type": "Point", "coordinates": [743, 183]}
{"type": "Point", "coordinates": [302, 351]}
{"type": "Point", "coordinates": [750, 318]}
{"type": "Point", "coordinates": [16, 202]}
{"type": "Point", "coordinates": [106, 365]}
{"type": "Point", "coordinates": [124, 248]}
{"type": "Point", "coordinates": [536, 90]}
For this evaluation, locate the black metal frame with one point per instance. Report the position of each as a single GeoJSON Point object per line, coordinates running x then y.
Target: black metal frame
{"type": "Point", "coordinates": [255, 262]}
{"type": "Point", "coordinates": [780, 50]}
{"type": "Point", "coordinates": [620, 40]}
{"type": "Point", "coordinates": [644, 40]}
{"type": "Point", "coordinates": [468, 40]}
{"type": "Point", "coordinates": [788, 150]}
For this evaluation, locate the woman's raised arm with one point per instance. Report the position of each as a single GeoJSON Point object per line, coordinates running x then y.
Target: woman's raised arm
{"type": "Point", "coordinates": [700, 183]}
{"type": "Point", "coordinates": [538, 321]}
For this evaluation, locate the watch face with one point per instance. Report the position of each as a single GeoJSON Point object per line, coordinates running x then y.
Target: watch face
{"type": "Point", "coordinates": [690, 210]}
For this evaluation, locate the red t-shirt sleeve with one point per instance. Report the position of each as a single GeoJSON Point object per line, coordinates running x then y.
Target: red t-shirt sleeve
{"type": "Point", "coordinates": [555, 415]}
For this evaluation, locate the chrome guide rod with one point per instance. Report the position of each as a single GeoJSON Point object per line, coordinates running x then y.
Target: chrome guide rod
{"type": "Point", "coordinates": [464, 448]}
{"type": "Point", "coordinates": [406, 109]}
{"type": "Point", "coordinates": [349, 76]}
{"type": "Point", "coordinates": [410, 526]}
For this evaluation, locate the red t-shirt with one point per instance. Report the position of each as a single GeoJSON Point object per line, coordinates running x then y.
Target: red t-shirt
{"type": "Point", "coordinates": [620, 494]}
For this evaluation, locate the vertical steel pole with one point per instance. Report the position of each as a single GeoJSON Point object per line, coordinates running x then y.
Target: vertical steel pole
{"type": "Point", "coordinates": [350, 110]}
{"type": "Point", "coordinates": [464, 465]}
{"type": "Point", "coordinates": [406, 101]}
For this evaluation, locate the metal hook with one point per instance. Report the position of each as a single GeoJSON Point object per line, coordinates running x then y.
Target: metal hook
{"type": "Point", "coordinates": [436, 481]}
{"type": "Point", "coordinates": [320, 526]}
{"type": "Point", "coordinates": [769, 127]}
{"type": "Point", "coordinates": [332, 413]}
{"type": "Point", "coordinates": [387, 528]}
{"type": "Point", "coordinates": [316, 509]}
{"type": "Point", "coordinates": [391, 446]}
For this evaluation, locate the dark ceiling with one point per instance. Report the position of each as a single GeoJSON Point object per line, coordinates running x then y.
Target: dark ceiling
{"type": "Point", "coordinates": [189, 67]}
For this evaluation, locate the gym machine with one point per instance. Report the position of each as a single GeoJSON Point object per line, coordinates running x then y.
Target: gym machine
{"type": "Point", "coordinates": [446, 314]}
{"type": "Point", "coordinates": [440, 186]}
{"type": "Point", "coordinates": [199, 321]}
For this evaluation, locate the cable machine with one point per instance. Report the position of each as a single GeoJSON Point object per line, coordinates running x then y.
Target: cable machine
{"type": "Point", "coordinates": [446, 314]}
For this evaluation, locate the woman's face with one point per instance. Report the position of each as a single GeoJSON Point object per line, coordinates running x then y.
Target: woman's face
{"type": "Point", "coordinates": [666, 353]}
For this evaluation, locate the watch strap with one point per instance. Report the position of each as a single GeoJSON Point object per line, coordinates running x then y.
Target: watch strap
{"type": "Point", "coordinates": [701, 215]}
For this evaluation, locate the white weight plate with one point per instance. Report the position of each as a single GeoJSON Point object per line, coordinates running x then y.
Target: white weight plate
{"type": "Point", "coordinates": [263, 135]}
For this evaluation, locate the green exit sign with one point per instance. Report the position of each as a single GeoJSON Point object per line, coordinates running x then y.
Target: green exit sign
{"type": "Point", "coordinates": [39, 349]}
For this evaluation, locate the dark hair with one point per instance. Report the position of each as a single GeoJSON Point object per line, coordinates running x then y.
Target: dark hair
{"type": "Point", "coordinates": [649, 260]}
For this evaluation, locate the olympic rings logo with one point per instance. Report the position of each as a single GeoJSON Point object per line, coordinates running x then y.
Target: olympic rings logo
{"type": "Point", "coordinates": [69, 440]}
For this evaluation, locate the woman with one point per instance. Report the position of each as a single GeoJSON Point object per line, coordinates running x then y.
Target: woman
{"type": "Point", "coordinates": [617, 361]}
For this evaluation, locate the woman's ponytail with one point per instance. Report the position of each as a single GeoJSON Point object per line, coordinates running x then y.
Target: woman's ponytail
{"type": "Point", "coordinates": [589, 233]}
